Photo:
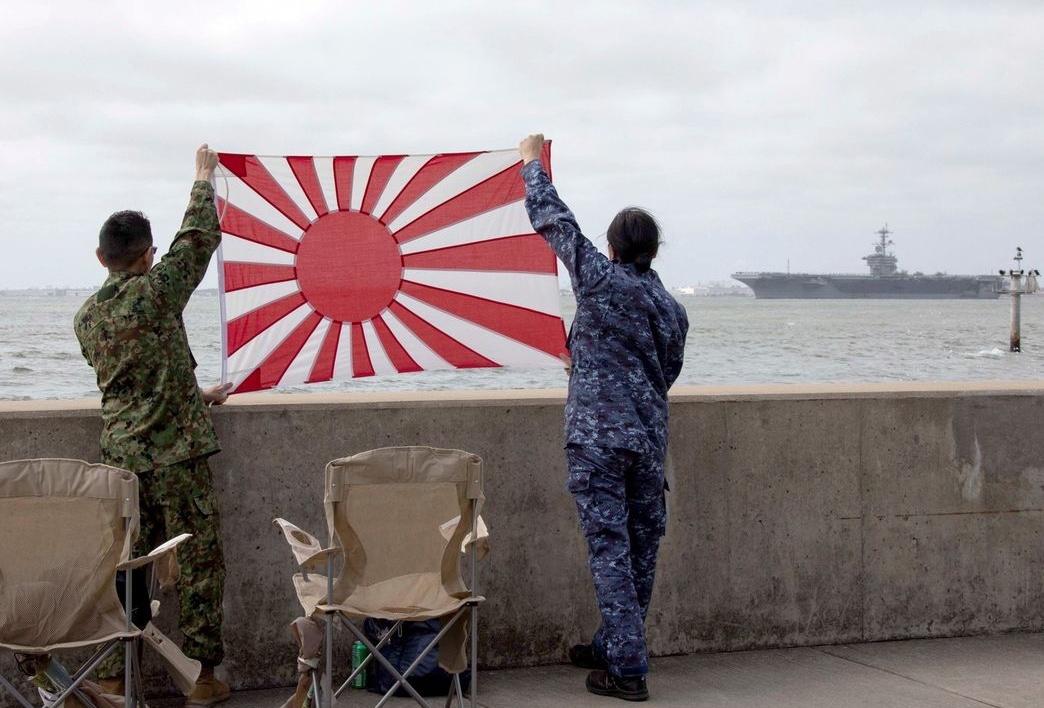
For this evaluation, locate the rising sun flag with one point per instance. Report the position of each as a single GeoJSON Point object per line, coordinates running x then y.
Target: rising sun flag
{"type": "Point", "coordinates": [335, 268]}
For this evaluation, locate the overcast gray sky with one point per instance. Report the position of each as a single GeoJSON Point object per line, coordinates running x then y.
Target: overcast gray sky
{"type": "Point", "coordinates": [758, 132]}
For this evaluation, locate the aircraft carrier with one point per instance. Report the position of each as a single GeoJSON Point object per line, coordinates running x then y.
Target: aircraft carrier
{"type": "Point", "coordinates": [885, 281]}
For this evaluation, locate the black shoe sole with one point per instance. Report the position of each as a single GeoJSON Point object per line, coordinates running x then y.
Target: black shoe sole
{"type": "Point", "coordinates": [616, 692]}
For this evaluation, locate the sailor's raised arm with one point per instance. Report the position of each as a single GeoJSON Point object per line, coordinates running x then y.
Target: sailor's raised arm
{"type": "Point", "coordinates": [555, 222]}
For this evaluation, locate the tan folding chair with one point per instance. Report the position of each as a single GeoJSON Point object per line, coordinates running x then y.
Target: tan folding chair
{"type": "Point", "coordinates": [401, 521]}
{"type": "Point", "coordinates": [66, 527]}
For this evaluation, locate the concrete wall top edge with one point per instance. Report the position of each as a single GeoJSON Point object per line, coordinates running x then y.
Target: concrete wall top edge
{"type": "Point", "coordinates": [388, 399]}
{"type": "Point", "coordinates": [534, 397]}
{"type": "Point", "coordinates": [807, 391]}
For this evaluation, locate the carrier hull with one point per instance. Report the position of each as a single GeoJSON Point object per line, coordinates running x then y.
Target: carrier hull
{"type": "Point", "coordinates": [885, 282]}
{"type": "Point", "coordinates": [811, 286]}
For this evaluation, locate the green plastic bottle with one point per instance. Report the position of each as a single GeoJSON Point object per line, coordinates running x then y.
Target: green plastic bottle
{"type": "Point", "coordinates": [359, 654]}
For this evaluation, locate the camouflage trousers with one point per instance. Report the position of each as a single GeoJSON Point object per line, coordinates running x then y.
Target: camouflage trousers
{"type": "Point", "coordinates": [620, 500]}
{"type": "Point", "coordinates": [180, 499]}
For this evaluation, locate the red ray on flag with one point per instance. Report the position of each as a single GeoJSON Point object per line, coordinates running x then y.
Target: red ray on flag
{"type": "Point", "coordinates": [340, 267]}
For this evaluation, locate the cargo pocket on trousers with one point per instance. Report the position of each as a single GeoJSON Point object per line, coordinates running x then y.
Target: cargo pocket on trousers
{"type": "Point", "coordinates": [578, 478]}
{"type": "Point", "coordinates": [578, 481]}
{"type": "Point", "coordinates": [205, 503]}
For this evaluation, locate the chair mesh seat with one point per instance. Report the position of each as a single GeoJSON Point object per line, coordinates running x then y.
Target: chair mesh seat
{"type": "Point", "coordinates": [62, 532]}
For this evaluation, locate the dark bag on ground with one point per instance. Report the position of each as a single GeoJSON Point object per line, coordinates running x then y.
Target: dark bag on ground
{"type": "Point", "coordinates": [428, 679]}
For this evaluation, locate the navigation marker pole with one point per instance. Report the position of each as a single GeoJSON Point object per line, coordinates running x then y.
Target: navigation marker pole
{"type": "Point", "coordinates": [1017, 289]}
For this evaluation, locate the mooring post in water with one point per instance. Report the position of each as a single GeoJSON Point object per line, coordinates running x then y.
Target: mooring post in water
{"type": "Point", "coordinates": [1017, 289]}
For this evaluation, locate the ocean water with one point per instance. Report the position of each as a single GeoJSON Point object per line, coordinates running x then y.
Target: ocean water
{"type": "Point", "coordinates": [732, 340]}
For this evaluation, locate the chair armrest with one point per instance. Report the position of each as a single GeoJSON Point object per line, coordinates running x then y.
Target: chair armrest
{"type": "Point", "coordinates": [156, 553]}
{"type": "Point", "coordinates": [165, 559]}
{"type": "Point", "coordinates": [183, 670]}
{"type": "Point", "coordinates": [307, 550]}
{"type": "Point", "coordinates": [481, 541]}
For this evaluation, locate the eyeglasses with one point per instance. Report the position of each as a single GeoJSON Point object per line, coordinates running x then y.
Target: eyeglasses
{"type": "Point", "coordinates": [150, 249]}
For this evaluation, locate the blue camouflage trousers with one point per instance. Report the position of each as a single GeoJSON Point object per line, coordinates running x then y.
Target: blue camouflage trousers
{"type": "Point", "coordinates": [620, 500]}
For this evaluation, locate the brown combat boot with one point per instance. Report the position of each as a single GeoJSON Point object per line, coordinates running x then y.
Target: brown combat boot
{"type": "Point", "coordinates": [73, 702]}
{"type": "Point", "coordinates": [111, 686]}
{"type": "Point", "coordinates": [208, 691]}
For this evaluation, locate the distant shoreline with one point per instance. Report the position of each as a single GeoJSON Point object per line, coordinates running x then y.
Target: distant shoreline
{"type": "Point", "coordinates": [81, 292]}
{"type": "Point", "coordinates": [713, 290]}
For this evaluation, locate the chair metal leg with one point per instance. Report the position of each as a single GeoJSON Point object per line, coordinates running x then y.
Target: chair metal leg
{"type": "Point", "coordinates": [474, 657]}
{"type": "Point", "coordinates": [326, 693]}
{"type": "Point", "coordinates": [473, 558]}
{"type": "Point", "coordinates": [400, 678]}
{"type": "Point", "coordinates": [130, 696]}
{"type": "Point", "coordinates": [455, 692]}
{"type": "Point", "coordinates": [67, 685]}
{"type": "Point", "coordinates": [15, 693]}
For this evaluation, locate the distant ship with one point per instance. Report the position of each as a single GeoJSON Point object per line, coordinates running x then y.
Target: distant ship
{"type": "Point", "coordinates": [885, 281]}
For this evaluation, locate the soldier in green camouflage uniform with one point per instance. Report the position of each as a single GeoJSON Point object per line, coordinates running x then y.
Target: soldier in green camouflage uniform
{"type": "Point", "coordinates": [155, 417]}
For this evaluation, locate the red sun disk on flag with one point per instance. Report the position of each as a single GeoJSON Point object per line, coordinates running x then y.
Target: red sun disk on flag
{"type": "Point", "coordinates": [348, 253]}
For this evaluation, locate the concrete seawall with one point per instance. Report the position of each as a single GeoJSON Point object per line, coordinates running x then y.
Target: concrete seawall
{"type": "Point", "coordinates": [798, 515]}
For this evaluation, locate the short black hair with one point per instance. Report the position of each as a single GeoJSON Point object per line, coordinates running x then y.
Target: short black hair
{"type": "Point", "coordinates": [635, 237]}
{"type": "Point", "coordinates": [124, 237]}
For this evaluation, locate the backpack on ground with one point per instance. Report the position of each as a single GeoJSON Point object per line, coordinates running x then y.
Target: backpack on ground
{"type": "Point", "coordinates": [408, 641]}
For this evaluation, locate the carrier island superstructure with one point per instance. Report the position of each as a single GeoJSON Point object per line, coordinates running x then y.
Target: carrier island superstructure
{"type": "Point", "coordinates": [885, 281]}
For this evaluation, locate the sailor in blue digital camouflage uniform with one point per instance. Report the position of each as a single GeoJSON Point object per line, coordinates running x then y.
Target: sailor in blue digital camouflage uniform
{"type": "Point", "coordinates": [627, 344]}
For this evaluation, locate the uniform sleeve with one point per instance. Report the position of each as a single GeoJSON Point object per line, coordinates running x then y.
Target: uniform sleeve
{"type": "Point", "coordinates": [676, 354]}
{"type": "Point", "coordinates": [80, 338]}
{"type": "Point", "coordinates": [554, 221]}
{"type": "Point", "coordinates": [180, 271]}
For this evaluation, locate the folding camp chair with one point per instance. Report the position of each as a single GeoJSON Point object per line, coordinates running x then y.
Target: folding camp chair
{"type": "Point", "coordinates": [66, 528]}
{"type": "Point", "coordinates": [401, 520]}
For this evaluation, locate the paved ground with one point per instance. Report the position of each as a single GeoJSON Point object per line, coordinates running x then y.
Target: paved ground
{"type": "Point", "coordinates": [972, 672]}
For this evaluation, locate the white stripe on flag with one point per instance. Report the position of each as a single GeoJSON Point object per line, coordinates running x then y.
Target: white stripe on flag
{"type": "Point", "coordinates": [507, 220]}
{"type": "Point", "coordinates": [301, 366]}
{"type": "Point", "coordinates": [343, 359]}
{"type": "Point", "coordinates": [324, 171]}
{"type": "Point", "coordinates": [360, 179]}
{"type": "Point", "coordinates": [378, 357]}
{"type": "Point", "coordinates": [242, 196]}
{"type": "Point", "coordinates": [240, 302]}
{"type": "Point", "coordinates": [280, 170]}
{"type": "Point", "coordinates": [495, 347]}
{"type": "Point", "coordinates": [240, 250]}
{"type": "Point", "coordinates": [404, 172]}
{"type": "Point", "coordinates": [533, 292]}
{"type": "Point", "coordinates": [472, 172]}
{"type": "Point", "coordinates": [418, 350]}
{"type": "Point", "coordinates": [243, 362]}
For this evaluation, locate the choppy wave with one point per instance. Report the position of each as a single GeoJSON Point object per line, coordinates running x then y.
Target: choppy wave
{"type": "Point", "coordinates": [994, 353]}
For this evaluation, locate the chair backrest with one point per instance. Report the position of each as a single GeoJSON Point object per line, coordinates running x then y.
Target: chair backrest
{"type": "Point", "coordinates": [388, 509]}
{"type": "Point", "coordinates": [64, 526]}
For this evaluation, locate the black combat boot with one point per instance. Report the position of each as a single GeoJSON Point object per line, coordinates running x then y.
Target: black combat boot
{"type": "Point", "coordinates": [631, 688]}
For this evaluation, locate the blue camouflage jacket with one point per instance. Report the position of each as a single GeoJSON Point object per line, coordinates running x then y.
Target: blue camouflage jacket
{"type": "Point", "coordinates": [627, 339]}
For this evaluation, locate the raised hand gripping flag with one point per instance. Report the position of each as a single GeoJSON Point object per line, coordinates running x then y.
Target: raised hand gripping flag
{"type": "Point", "coordinates": [341, 267]}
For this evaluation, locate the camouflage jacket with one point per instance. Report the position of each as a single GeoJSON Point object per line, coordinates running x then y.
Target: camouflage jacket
{"type": "Point", "coordinates": [131, 331]}
{"type": "Point", "coordinates": [627, 339]}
